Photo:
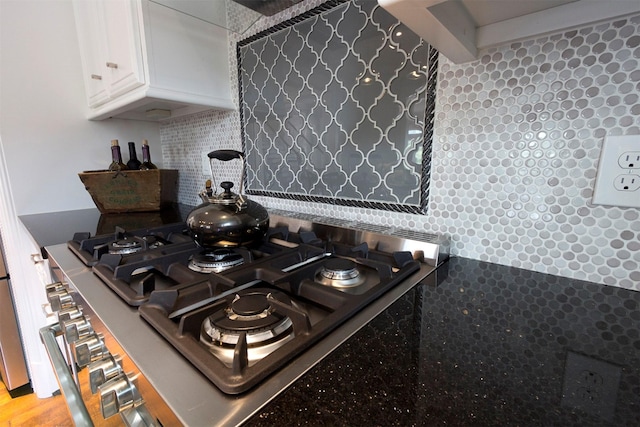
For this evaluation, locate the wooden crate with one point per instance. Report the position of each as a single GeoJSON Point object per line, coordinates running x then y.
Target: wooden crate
{"type": "Point", "coordinates": [131, 191]}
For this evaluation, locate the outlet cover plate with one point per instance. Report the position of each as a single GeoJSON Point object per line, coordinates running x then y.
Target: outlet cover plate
{"type": "Point", "coordinates": [206, 166]}
{"type": "Point", "coordinates": [609, 169]}
{"type": "Point", "coordinates": [591, 385]}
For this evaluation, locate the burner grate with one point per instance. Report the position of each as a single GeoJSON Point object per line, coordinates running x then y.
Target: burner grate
{"type": "Point", "coordinates": [315, 308]}
{"type": "Point", "coordinates": [91, 249]}
{"type": "Point", "coordinates": [359, 266]}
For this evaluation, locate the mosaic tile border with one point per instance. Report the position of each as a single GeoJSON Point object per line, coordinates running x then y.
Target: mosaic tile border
{"type": "Point", "coordinates": [427, 132]}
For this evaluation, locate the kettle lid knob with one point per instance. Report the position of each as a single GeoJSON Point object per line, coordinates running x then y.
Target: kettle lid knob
{"type": "Point", "coordinates": [227, 186]}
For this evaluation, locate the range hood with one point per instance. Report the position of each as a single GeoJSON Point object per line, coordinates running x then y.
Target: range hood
{"type": "Point", "coordinates": [267, 7]}
{"type": "Point", "coordinates": [459, 29]}
{"type": "Point", "coordinates": [232, 15]}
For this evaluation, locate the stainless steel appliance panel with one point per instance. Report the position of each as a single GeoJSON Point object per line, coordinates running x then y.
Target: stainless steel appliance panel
{"type": "Point", "coordinates": [167, 379]}
{"type": "Point", "coordinates": [13, 367]}
{"type": "Point", "coordinates": [191, 396]}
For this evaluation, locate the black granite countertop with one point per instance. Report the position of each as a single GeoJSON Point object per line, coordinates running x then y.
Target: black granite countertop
{"type": "Point", "coordinates": [51, 228]}
{"type": "Point", "coordinates": [488, 346]}
{"type": "Point", "coordinates": [475, 344]}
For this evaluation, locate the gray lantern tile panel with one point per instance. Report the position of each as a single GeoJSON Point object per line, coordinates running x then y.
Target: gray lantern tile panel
{"type": "Point", "coordinates": [333, 107]}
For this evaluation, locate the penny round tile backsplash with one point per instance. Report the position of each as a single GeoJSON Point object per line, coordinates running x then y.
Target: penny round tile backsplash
{"type": "Point", "coordinates": [517, 137]}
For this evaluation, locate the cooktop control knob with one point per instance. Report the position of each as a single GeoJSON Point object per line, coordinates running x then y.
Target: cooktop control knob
{"type": "Point", "coordinates": [75, 329]}
{"type": "Point", "coordinates": [89, 349]}
{"type": "Point", "coordinates": [60, 299]}
{"type": "Point", "coordinates": [118, 395]}
{"type": "Point", "coordinates": [104, 370]}
{"type": "Point", "coordinates": [56, 286]}
{"type": "Point", "coordinates": [72, 312]}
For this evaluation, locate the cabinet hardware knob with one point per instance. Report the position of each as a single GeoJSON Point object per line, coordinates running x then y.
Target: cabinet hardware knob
{"type": "Point", "coordinates": [96, 77]}
{"type": "Point", "coordinates": [48, 313]}
{"type": "Point", "coordinates": [112, 65]}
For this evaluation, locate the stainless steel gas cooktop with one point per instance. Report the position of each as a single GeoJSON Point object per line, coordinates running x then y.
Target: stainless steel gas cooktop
{"type": "Point", "coordinates": [242, 316]}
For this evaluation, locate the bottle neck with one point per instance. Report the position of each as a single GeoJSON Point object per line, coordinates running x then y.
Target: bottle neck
{"type": "Point", "coordinates": [146, 156]}
{"type": "Point", "coordinates": [116, 156]}
{"type": "Point", "coordinates": [132, 151]}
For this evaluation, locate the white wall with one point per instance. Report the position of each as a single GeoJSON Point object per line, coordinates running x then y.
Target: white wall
{"type": "Point", "coordinates": [46, 138]}
{"type": "Point", "coordinates": [45, 141]}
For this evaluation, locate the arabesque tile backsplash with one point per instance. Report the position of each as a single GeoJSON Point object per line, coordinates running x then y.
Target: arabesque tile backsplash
{"type": "Point", "coordinates": [337, 106]}
{"type": "Point", "coordinates": [517, 137]}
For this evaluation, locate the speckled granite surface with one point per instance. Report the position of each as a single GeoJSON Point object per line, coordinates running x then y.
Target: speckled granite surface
{"type": "Point", "coordinates": [489, 345]}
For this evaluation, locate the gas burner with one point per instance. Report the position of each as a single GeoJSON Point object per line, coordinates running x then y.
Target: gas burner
{"type": "Point", "coordinates": [340, 273]}
{"type": "Point", "coordinates": [252, 314]}
{"type": "Point", "coordinates": [130, 245]}
{"type": "Point", "coordinates": [215, 261]}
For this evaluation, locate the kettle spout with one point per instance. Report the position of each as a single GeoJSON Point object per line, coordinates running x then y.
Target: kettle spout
{"type": "Point", "coordinates": [205, 198]}
{"type": "Point", "coordinates": [207, 193]}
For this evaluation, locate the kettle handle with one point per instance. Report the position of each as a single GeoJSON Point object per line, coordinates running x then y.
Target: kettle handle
{"type": "Point", "coordinates": [225, 155]}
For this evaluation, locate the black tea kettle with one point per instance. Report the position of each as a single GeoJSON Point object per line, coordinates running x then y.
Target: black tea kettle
{"type": "Point", "coordinates": [227, 219]}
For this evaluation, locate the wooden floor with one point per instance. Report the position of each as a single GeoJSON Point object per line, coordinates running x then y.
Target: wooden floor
{"type": "Point", "coordinates": [29, 410]}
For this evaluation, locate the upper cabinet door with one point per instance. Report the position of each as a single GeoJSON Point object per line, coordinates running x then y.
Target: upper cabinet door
{"type": "Point", "coordinates": [123, 62]}
{"type": "Point", "coordinates": [89, 24]}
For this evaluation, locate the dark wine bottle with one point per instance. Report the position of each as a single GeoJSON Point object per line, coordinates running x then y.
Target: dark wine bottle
{"type": "Point", "coordinates": [116, 157]}
{"type": "Point", "coordinates": [146, 157]}
{"type": "Point", "coordinates": [133, 163]}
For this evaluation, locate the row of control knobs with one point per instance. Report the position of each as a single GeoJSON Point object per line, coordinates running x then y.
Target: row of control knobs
{"type": "Point", "coordinates": [106, 376]}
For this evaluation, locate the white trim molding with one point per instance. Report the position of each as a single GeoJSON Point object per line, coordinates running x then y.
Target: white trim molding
{"type": "Point", "coordinates": [27, 288]}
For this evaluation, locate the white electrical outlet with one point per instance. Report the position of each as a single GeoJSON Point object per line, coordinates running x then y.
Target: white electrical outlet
{"type": "Point", "coordinates": [206, 166]}
{"type": "Point", "coordinates": [630, 160]}
{"type": "Point", "coordinates": [618, 180]}
{"type": "Point", "coordinates": [627, 182]}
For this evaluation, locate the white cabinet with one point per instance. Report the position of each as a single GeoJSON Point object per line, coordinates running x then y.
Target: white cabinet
{"type": "Point", "coordinates": [124, 56]}
{"type": "Point", "coordinates": [459, 29]}
{"type": "Point", "coordinates": [92, 48]}
{"type": "Point", "coordinates": [111, 47]}
{"type": "Point", "coordinates": [144, 61]}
